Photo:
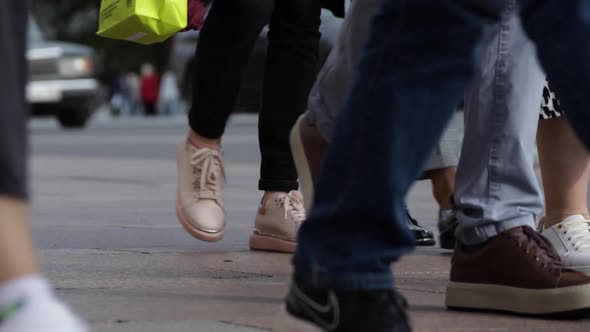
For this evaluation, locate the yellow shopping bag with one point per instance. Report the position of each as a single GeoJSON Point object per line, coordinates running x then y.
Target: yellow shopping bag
{"type": "Point", "coordinates": [142, 21]}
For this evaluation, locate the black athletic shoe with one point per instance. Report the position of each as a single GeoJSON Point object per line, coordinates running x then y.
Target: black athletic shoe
{"type": "Point", "coordinates": [334, 311]}
{"type": "Point", "coordinates": [423, 236]}
{"type": "Point", "coordinates": [447, 224]}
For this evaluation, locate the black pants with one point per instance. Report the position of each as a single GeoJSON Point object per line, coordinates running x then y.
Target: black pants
{"type": "Point", "coordinates": [13, 109]}
{"type": "Point", "coordinates": [150, 108]}
{"type": "Point", "coordinates": [225, 43]}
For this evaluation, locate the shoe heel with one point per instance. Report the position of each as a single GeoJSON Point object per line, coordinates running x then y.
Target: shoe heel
{"type": "Point", "coordinates": [269, 243]}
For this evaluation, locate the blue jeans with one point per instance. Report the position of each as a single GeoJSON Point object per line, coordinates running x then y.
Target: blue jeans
{"type": "Point", "coordinates": [496, 187]}
{"type": "Point", "coordinates": [328, 93]}
{"type": "Point", "coordinates": [415, 69]}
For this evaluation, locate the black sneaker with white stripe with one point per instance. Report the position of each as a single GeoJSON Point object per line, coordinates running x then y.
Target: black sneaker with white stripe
{"type": "Point", "coordinates": [313, 310]}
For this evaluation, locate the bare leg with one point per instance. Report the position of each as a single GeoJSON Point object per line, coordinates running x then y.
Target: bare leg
{"type": "Point", "coordinates": [443, 185]}
{"type": "Point", "coordinates": [565, 169]}
{"type": "Point", "coordinates": [16, 251]}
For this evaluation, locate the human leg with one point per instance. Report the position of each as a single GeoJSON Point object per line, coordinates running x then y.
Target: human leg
{"type": "Point", "coordinates": [27, 302]}
{"type": "Point", "coordinates": [369, 163]}
{"type": "Point", "coordinates": [499, 259]}
{"type": "Point", "coordinates": [496, 186]}
{"type": "Point", "coordinates": [549, 23]}
{"type": "Point", "coordinates": [225, 43]}
{"type": "Point", "coordinates": [565, 169]}
{"type": "Point", "coordinates": [291, 68]}
{"type": "Point", "coordinates": [313, 132]}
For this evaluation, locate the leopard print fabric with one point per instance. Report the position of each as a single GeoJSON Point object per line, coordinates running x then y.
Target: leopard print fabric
{"type": "Point", "coordinates": [550, 106]}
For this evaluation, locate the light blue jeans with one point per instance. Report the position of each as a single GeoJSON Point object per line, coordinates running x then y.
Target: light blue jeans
{"type": "Point", "coordinates": [496, 185]}
{"type": "Point", "coordinates": [416, 67]}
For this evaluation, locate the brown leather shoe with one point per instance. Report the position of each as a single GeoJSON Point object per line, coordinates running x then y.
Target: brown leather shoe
{"type": "Point", "coordinates": [308, 148]}
{"type": "Point", "coordinates": [518, 271]}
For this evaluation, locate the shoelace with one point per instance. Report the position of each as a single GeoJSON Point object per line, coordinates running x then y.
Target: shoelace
{"type": "Point", "coordinates": [540, 247]}
{"type": "Point", "coordinates": [577, 232]}
{"type": "Point", "coordinates": [208, 164]}
{"type": "Point", "coordinates": [293, 206]}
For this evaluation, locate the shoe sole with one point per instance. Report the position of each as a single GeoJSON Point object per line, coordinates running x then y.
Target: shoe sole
{"type": "Point", "coordinates": [270, 243]}
{"type": "Point", "coordinates": [302, 164]}
{"type": "Point", "coordinates": [583, 269]}
{"type": "Point", "coordinates": [572, 302]}
{"type": "Point", "coordinates": [287, 323]}
{"type": "Point", "coordinates": [195, 232]}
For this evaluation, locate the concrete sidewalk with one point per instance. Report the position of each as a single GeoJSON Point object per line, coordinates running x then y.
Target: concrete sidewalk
{"type": "Point", "coordinates": [153, 290]}
{"type": "Point", "coordinates": [103, 218]}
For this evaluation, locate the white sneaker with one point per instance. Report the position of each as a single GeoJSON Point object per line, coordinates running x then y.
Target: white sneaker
{"type": "Point", "coordinates": [39, 314]}
{"type": "Point", "coordinates": [571, 240]}
{"type": "Point", "coordinates": [199, 204]}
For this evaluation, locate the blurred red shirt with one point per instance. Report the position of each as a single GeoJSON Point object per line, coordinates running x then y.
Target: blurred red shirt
{"type": "Point", "coordinates": [150, 87]}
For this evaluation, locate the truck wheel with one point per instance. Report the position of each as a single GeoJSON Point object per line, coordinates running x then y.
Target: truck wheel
{"type": "Point", "coordinates": [73, 118]}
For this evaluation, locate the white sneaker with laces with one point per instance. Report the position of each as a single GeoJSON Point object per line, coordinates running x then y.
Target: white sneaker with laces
{"type": "Point", "coordinates": [277, 222]}
{"type": "Point", "coordinates": [571, 240]}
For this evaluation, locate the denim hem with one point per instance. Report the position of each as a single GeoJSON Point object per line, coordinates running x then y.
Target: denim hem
{"type": "Point", "coordinates": [343, 281]}
{"type": "Point", "coordinates": [277, 185]}
{"type": "Point", "coordinates": [481, 234]}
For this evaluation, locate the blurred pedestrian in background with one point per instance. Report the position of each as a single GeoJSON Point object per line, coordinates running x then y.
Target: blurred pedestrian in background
{"type": "Point", "coordinates": [133, 84]}
{"type": "Point", "coordinates": [169, 96]}
{"type": "Point", "coordinates": [121, 98]}
{"type": "Point", "coordinates": [150, 88]}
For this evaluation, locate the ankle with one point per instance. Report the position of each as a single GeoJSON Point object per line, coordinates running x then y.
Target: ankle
{"type": "Point", "coordinates": [203, 142]}
{"type": "Point", "coordinates": [443, 195]}
{"type": "Point", "coordinates": [445, 202]}
{"type": "Point", "coordinates": [269, 194]}
{"type": "Point", "coordinates": [443, 186]}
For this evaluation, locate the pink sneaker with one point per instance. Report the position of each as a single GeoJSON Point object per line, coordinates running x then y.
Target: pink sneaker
{"type": "Point", "coordinates": [277, 222]}
{"type": "Point", "coordinates": [199, 204]}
